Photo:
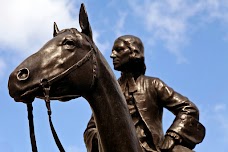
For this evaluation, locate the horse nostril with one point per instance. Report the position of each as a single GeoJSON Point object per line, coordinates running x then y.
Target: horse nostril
{"type": "Point", "coordinates": [23, 74]}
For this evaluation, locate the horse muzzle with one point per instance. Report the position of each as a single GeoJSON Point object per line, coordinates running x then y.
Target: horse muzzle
{"type": "Point", "coordinates": [18, 86]}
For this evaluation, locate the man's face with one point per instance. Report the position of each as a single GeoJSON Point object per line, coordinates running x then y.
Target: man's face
{"type": "Point", "coordinates": [120, 55]}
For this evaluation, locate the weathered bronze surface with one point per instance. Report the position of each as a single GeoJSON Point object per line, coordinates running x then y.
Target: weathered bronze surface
{"type": "Point", "coordinates": [127, 117]}
{"type": "Point", "coordinates": [146, 97]}
{"type": "Point", "coordinates": [69, 66]}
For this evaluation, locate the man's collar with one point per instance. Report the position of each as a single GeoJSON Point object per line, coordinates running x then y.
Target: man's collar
{"type": "Point", "coordinates": [128, 79]}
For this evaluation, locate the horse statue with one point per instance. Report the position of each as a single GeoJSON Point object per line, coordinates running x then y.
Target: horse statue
{"type": "Point", "coordinates": [69, 66]}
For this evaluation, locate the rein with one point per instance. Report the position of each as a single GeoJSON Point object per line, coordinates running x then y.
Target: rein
{"type": "Point", "coordinates": [46, 86]}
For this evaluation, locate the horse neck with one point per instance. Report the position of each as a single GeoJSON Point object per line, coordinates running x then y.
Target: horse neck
{"type": "Point", "coordinates": [110, 111]}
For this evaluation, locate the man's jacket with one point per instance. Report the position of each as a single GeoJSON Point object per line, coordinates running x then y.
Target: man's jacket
{"type": "Point", "coordinates": [151, 97]}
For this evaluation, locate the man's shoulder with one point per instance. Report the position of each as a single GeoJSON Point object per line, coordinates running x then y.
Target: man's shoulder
{"type": "Point", "coordinates": [149, 78]}
{"type": "Point", "coordinates": [151, 81]}
{"type": "Point", "coordinates": [145, 79]}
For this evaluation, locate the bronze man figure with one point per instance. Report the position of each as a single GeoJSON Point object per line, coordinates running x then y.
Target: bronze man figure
{"type": "Point", "coordinates": [146, 97]}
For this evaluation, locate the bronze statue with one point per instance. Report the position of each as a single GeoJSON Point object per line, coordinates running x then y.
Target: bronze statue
{"type": "Point", "coordinates": [66, 67]}
{"type": "Point", "coordinates": [146, 97]}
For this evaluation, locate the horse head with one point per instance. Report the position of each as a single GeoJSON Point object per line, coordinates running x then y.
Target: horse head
{"type": "Point", "coordinates": [69, 66]}
{"type": "Point", "coordinates": [66, 63]}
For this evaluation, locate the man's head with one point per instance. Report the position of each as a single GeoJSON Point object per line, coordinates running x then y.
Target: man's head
{"type": "Point", "coordinates": [128, 53]}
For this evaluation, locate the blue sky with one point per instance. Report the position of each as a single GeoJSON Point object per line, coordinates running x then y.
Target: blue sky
{"type": "Point", "coordinates": [186, 45]}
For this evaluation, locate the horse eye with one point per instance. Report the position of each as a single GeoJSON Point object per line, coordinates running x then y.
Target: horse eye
{"type": "Point", "coordinates": [68, 42]}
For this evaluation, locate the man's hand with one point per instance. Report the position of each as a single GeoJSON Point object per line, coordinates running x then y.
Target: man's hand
{"type": "Point", "coordinates": [167, 144]}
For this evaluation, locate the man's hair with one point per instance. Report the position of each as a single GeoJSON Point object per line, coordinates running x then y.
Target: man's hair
{"type": "Point", "coordinates": [136, 47]}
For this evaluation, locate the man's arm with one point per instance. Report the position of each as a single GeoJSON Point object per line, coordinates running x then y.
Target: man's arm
{"type": "Point", "coordinates": [186, 128]}
{"type": "Point", "coordinates": [91, 136]}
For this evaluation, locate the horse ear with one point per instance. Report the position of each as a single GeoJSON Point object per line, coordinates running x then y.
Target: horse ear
{"type": "Point", "coordinates": [56, 30]}
{"type": "Point", "coordinates": [84, 22]}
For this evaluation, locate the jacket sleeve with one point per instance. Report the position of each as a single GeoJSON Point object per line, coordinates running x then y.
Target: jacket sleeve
{"type": "Point", "coordinates": [91, 136]}
{"type": "Point", "coordinates": [186, 124]}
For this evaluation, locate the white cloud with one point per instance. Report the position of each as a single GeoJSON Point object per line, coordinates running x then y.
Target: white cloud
{"type": "Point", "coordinates": [26, 24]}
{"type": "Point", "coordinates": [219, 107]}
{"type": "Point", "coordinates": [170, 20]}
{"type": "Point", "coordinates": [2, 67]}
{"type": "Point", "coordinates": [120, 24]}
{"type": "Point", "coordinates": [2, 64]}
{"type": "Point", "coordinates": [220, 118]}
{"type": "Point", "coordinates": [104, 46]}
{"type": "Point", "coordinates": [212, 114]}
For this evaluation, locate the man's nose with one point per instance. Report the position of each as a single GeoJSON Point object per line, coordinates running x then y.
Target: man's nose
{"type": "Point", "coordinates": [113, 55]}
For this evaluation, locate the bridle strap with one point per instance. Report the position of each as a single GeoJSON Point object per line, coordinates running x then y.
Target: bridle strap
{"type": "Point", "coordinates": [31, 127]}
{"type": "Point", "coordinates": [46, 84]}
{"type": "Point", "coordinates": [73, 67]}
{"type": "Point", "coordinates": [46, 88]}
{"type": "Point", "coordinates": [57, 141]}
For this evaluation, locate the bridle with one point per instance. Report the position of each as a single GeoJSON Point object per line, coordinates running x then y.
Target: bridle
{"type": "Point", "coordinates": [45, 84]}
